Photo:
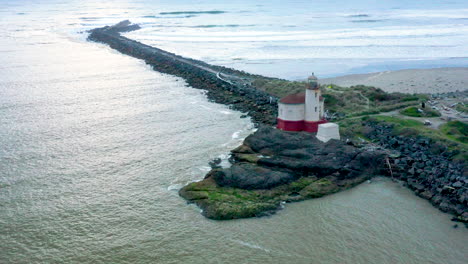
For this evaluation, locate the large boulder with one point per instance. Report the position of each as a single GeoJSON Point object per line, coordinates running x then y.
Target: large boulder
{"type": "Point", "coordinates": [304, 154]}
{"type": "Point", "coordinates": [250, 176]}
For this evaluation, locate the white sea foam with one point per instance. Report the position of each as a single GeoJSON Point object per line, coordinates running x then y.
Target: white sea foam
{"type": "Point", "coordinates": [175, 187]}
{"type": "Point", "coordinates": [205, 107]}
{"type": "Point", "coordinates": [204, 169]}
{"type": "Point", "coordinates": [225, 112]}
{"type": "Point", "coordinates": [251, 245]}
{"type": "Point", "coordinates": [236, 134]}
{"type": "Point", "coordinates": [259, 36]}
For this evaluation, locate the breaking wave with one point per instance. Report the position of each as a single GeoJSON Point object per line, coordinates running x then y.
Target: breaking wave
{"type": "Point", "coordinates": [213, 12]}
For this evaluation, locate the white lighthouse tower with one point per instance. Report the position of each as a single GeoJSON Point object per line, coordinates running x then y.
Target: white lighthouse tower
{"type": "Point", "coordinates": [314, 105]}
{"type": "Point", "coordinates": [312, 98]}
{"type": "Point", "coordinates": [302, 111]}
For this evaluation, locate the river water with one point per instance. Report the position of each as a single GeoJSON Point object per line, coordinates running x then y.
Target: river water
{"type": "Point", "coordinates": [94, 146]}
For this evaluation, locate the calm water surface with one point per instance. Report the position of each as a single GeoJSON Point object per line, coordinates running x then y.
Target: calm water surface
{"type": "Point", "coordinates": [94, 146]}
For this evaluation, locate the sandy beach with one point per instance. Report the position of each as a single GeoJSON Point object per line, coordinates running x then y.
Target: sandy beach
{"type": "Point", "coordinates": [436, 80]}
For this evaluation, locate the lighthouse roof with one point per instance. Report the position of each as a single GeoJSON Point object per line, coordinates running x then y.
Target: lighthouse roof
{"type": "Point", "coordinates": [312, 77]}
{"type": "Point", "coordinates": [298, 98]}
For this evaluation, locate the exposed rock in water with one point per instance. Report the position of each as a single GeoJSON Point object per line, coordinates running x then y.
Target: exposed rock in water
{"type": "Point", "coordinates": [274, 166]}
{"type": "Point", "coordinates": [250, 177]}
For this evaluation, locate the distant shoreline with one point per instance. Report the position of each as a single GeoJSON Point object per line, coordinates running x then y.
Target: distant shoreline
{"type": "Point", "coordinates": [435, 80]}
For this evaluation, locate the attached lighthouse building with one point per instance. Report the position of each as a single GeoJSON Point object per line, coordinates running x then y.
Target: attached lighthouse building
{"type": "Point", "coordinates": [303, 111]}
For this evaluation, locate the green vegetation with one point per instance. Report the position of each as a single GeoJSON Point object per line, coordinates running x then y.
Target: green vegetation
{"type": "Point", "coordinates": [278, 87]}
{"type": "Point", "coordinates": [223, 203]}
{"type": "Point", "coordinates": [400, 122]}
{"type": "Point", "coordinates": [453, 134]}
{"type": "Point", "coordinates": [345, 102]}
{"type": "Point", "coordinates": [456, 130]}
{"type": "Point", "coordinates": [301, 183]}
{"type": "Point", "coordinates": [461, 107]}
{"type": "Point", "coordinates": [416, 112]}
{"type": "Point", "coordinates": [365, 100]}
{"type": "Point", "coordinates": [355, 128]}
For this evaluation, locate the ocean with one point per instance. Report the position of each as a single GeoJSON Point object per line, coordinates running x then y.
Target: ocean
{"type": "Point", "coordinates": [94, 145]}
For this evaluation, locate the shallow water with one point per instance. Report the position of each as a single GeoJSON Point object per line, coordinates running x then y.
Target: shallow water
{"type": "Point", "coordinates": [94, 146]}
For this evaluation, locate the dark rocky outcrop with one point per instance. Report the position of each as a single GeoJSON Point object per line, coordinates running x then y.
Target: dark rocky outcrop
{"type": "Point", "coordinates": [305, 155]}
{"type": "Point", "coordinates": [274, 166]}
{"type": "Point", "coordinates": [249, 176]}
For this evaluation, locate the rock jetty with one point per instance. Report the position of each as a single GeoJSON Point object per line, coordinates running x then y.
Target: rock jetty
{"type": "Point", "coordinates": [427, 168]}
{"type": "Point", "coordinates": [223, 85]}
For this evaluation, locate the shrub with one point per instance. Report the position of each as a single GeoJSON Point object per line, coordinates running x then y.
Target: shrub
{"type": "Point", "coordinates": [415, 112]}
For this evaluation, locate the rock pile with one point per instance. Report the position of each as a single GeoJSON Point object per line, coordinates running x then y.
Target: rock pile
{"type": "Point", "coordinates": [427, 168]}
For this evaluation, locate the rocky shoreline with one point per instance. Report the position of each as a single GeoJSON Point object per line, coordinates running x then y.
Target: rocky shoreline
{"type": "Point", "coordinates": [426, 168]}
{"type": "Point", "coordinates": [273, 166]}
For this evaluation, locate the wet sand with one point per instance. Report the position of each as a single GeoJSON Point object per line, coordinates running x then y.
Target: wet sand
{"type": "Point", "coordinates": [437, 80]}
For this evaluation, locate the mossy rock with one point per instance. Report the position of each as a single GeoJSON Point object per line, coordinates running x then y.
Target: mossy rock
{"type": "Point", "coordinates": [244, 149]}
{"type": "Point", "coordinates": [228, 210]}
{"type": "Point", "coordinates": [319, 188]}
{"type": "Point", "coordinates": [301, 183]}
{"type": "Point", "coordinates": [251, 158]}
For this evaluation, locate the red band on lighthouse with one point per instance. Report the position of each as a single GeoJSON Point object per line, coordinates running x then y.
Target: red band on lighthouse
{"type": "Point", "coordinates": [312, 126]}
{"type": "Point", "coordinates": [290, 125]}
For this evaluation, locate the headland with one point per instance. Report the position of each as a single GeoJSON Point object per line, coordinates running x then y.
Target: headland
{"type": "Point", "coordinates": [273, 166]}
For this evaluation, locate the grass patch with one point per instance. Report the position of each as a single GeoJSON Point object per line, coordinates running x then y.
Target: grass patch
{"type": "Point", "coordinates": [279, 87]}
{"type": "Point", "coordinates": [353, 128]}
{"type": "Point", "coordinates": [456, 130]}
{"type": "Point", "coordinates": [416, 112]}
{"type": "Point", "coordinates": [453, 134]}
{"type": "Point", "coordinates": [461, 107]}
{"type": "Point", "coordinates": [400, 122]}
{"type": "Point", "coordinates": [344, 101]}
{"type": "Point", "coordinates": [365, 100]}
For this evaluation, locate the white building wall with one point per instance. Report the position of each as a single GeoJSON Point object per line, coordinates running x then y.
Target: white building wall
{"type": "Point", "coordinates": [312, 105]}
{"type": "Point", "coordinates": [291, 112]}
{"type": "Point", "coordinates": [328, 131]}
{"type": "Point", "coordinates": [322, 108]}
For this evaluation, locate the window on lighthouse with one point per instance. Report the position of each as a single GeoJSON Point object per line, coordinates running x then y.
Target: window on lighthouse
{"type": "Point", "coordinates": [316, 109]}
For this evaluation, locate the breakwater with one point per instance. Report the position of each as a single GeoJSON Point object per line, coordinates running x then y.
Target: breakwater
{"type": "Point", "coordinates": [223, 85]}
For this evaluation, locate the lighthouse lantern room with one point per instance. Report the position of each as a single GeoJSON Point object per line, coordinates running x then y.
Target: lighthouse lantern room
{"type": "Point", "coordinates": [303, 111]}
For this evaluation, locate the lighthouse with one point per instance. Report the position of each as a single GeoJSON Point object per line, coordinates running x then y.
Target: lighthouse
{"type": "Point", "coordinates": [303, 111]}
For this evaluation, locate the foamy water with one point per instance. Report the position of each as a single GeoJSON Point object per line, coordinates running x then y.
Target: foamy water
{"type": "Point", "coordinates": [94, 146]}
{"type": "Point", "coordinates": [289, 40]}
